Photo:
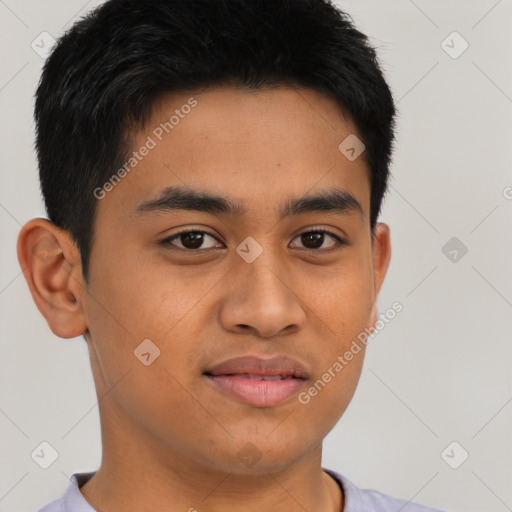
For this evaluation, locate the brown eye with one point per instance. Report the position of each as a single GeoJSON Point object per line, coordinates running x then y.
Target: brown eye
{"type": "Point", "coordinates": [312, 240]}
{"type": "Point", "coordinates": [316, 239]}
{"type": "Point", "coordinates": [190, 240]}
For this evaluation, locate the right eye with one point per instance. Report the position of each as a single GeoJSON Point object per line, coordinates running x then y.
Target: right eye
{"type": "Point", "coordinates": [189, 240]}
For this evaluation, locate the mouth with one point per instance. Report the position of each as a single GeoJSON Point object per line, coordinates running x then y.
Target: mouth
{"type": "Point", "coordinates": [258, 382]}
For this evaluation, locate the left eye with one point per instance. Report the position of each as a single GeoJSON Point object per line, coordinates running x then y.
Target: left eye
{"type": "Point", "coordinates": [316, 238]}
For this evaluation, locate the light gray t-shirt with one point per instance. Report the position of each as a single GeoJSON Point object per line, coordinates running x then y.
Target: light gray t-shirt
{"type": "Point", "coordinates": [356, 500]}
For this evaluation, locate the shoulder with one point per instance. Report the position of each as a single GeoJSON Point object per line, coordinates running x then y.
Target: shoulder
{"type": "Point", "coordinates": [72, 500]}
{"type": "Point", "coordinates": [370, 500]}
{"type": "Point", "coordinates": [55, 506]}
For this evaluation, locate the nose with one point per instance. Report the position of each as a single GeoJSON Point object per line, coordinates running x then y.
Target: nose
{"type": "Point", "coordinates": [262, 301]}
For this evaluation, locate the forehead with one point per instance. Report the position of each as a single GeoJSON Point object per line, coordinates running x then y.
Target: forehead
{"type": "Point", "coordinates": [238, 115]}
{"type": "Point", "coordinates": [255, 146]}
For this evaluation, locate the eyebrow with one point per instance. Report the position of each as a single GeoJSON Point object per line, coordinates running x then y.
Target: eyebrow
{"type": "Point", "coordinates": [180, 198]}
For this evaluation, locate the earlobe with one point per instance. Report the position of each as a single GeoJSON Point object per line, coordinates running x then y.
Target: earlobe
{"type": "Point", "coordinates": [51, 264]}
{"type": "Point", "coordinates": [373, 313]}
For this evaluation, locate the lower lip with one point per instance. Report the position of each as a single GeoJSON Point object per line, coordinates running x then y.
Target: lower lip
{"type": "Point", "coordinates": [261, 393]}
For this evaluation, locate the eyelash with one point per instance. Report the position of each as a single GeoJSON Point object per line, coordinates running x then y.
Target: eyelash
{"type": "Point", "coordinates": [340, 243]}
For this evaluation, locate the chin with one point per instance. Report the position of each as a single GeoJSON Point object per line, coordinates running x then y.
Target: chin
{"type": "Point", "coordinates": [250, 455]}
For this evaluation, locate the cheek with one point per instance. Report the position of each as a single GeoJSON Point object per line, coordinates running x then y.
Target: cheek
{"type": "Point", "coordinates": [157, 401]}
{"type": "Point", "coordinates": [140, 301]}
{"type": "Point", "coordinates": [149, 394]}
{"type": "Point", "coordinates": [343, 303]}
{"type": "Point", "coordinates": [147, 296]}
{"type": "Point", "coordinates": [328, 395]}
{"type": "Point", "coordinates": [341, 298]}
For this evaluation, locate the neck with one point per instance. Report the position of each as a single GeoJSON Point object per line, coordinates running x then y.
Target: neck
{"type": "Point", "coordinates": [137, 476]}
{"type": "Point", "coordinates": [226, 493]}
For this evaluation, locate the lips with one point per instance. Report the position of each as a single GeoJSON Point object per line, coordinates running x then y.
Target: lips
{"type": "Point", "coordinates": [280, 366]}
{"type": "Point", "coordinates": [257, 381]}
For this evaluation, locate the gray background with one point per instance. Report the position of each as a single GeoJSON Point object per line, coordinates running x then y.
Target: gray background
{"type": "Point", "coordinates": [438, 373]}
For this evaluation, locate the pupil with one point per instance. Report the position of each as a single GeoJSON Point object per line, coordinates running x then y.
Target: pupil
{"type": "Point", "coordinates": [315, 237]}
{"type": "Point", "coordinates": [192, 240]}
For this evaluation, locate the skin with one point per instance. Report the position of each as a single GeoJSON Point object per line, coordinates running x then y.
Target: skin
{"type": "Point", "coordinates": [170, 439]}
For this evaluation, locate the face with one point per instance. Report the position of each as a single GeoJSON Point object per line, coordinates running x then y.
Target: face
{"type": "Point", "coordinates": [180, 290]}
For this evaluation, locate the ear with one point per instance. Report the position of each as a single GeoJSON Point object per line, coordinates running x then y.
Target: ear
{"type": "Point", "coordinates": [52, 267]}
{"type": "Point", "coordinates": [381, 252]}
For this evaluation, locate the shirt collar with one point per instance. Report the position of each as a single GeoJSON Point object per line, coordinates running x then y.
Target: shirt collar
{"type": "Point", "coordinates": [74, 500]}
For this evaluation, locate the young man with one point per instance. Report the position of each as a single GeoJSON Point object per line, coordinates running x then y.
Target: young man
{"type": "Point", "coordinates": [213, 172]}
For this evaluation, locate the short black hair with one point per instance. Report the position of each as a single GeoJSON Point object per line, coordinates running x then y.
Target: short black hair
{"type": "Point", "coordinates": [104, 75]}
